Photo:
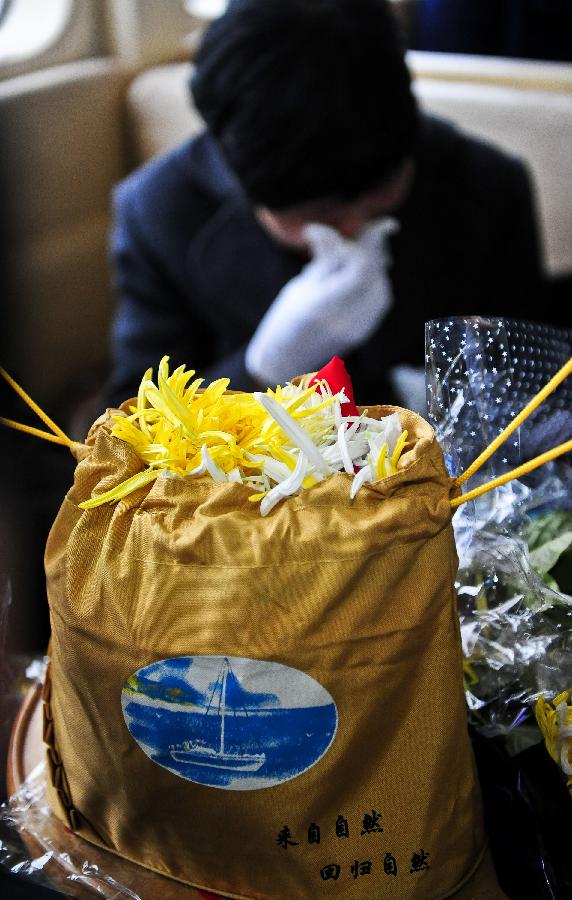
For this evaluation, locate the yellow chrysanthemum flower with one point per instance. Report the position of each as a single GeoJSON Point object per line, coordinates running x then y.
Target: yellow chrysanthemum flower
{"type": "Point", "coordinates": [275, 442]}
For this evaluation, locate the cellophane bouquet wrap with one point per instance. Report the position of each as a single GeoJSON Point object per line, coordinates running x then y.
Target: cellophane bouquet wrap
{"type": "Point", "coordinates": [264, 706]}
{"type": "Point", "coordinates": [515, 543]}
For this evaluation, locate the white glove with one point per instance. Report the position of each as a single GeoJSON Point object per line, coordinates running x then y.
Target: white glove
{"type": "Point", "coordinates": [336, 303]}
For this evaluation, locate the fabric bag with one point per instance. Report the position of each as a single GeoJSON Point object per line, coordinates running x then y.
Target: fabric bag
{"type": "Point", "coordinates": [334, 624]}
{"type": "Point", "coordinates": [264, 707]}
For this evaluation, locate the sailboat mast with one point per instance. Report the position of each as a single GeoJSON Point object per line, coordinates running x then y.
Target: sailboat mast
{"type": "Point", "coordinates": [222, 708]}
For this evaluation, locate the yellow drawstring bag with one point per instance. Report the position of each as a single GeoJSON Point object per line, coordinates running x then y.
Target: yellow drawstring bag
{"type": "Point", "coordinates": [266, 707]}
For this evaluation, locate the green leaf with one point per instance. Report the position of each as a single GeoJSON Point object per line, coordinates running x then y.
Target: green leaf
{"type": "Point", "coordinates": [544, 557]}
{"type": "Point", "coordinates": [546, 528]}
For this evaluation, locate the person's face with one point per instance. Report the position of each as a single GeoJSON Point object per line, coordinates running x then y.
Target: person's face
{"type": "Point", "coordinates": [287, 226]}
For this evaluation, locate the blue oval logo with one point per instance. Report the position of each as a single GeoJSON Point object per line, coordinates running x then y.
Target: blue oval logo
{"type": "Point", "coordinates": [229, 722]}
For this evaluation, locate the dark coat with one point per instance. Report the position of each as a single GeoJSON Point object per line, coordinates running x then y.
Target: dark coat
{"type": "Point", "coordinates": [195, 272]}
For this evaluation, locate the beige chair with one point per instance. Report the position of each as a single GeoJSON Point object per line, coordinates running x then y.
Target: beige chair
{"type": "Point", "coordinates": [523, 107]}
{"type": "Point", "coordinates": [61, 152]}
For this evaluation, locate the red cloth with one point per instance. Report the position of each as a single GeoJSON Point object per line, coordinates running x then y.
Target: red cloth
{"type": "Point", "coordinates": [336, 374]}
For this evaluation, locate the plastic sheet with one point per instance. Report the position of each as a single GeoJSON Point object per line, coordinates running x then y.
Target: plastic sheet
{"type": "Point", "coordinates": [514, 581]}
{"type": "Point", "coordinates": [39, 856]}
{"type": "Point", "coordinates": [37, 848]}
{"type": "Point", "coordinates": [480, 373]}
{"type": "Point", "coordinates": [516, 621]}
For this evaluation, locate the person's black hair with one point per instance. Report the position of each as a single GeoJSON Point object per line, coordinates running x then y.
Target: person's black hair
{"type": "Point", "coordinates": [308, 99]}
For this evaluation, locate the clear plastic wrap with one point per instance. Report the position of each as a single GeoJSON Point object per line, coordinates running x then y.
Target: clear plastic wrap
{"type": "Point", "coordinates": [40, 851]}
{"type": "Point", "coordinates": [516, 620]}
{"type": "Point", "coordinates": [480, 373]}
{"type": "Point", "coordinates": [39, 854]}
{"type": "Point", "coordinates": [34, 846]}
{"type": "Point", "coordinates": [36, 849]}
{"type": "Point", "coordinates": [514, 580]}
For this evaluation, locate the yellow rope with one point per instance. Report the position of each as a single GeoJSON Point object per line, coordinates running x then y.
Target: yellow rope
{"type": "Point", "coordinates": [34, 406]}
{"type": "Point", "coordinates": [516, 422]}
{"type": "Point", "coordinates": [37, 432]}
{"type": "Point", "coordinates": [515, 473]}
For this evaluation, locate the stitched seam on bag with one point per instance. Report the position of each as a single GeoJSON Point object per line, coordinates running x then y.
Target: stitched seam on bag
{"type": "Point", "coordinates": [154, 867]}
{"type": "Point", "coordinates": [55, 762]}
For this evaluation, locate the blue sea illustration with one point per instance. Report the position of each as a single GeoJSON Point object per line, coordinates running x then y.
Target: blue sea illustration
{"type": "Point", "coordinates": [229, 722]}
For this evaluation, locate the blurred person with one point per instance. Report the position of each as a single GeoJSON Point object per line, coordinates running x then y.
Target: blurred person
{"type": "Point", "coordinates": [319, 213]}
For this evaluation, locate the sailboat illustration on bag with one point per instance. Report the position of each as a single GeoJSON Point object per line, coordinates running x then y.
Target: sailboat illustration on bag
{"type": "Point", "coordinates": [195, 754]}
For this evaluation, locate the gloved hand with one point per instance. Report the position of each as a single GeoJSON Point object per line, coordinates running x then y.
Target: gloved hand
{"type": "Point", "coordinates": [335, 304]}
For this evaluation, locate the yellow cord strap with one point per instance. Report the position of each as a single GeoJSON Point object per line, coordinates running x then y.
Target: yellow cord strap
{"type": "Point", "coordinates": [36, 432]}
{"type": "Point", "coordinates": [58, 436]}
{"type": "Point", "coordinates": [501, 438]}
{"type": "Point", "coordinates": [514, 473]}
{"type": "Point", "coordinates": [516, 422]}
